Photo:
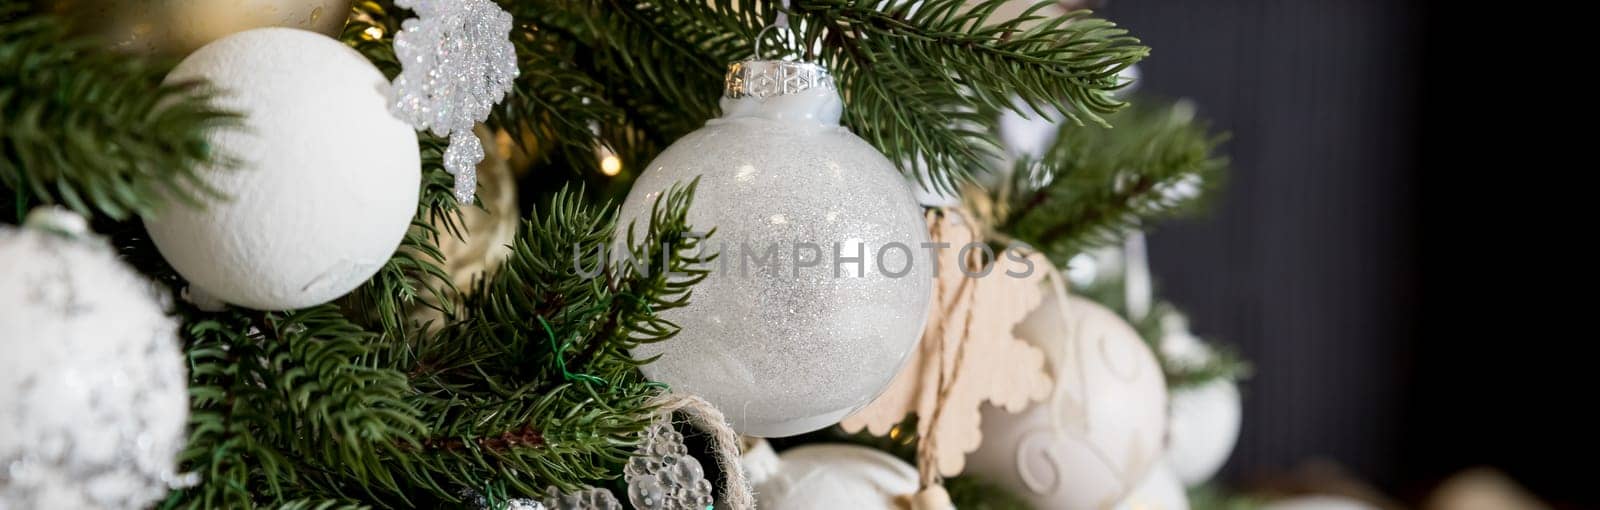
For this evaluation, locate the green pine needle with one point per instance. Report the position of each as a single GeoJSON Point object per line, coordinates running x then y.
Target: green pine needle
{"type": "Point", "coordinates": [1096, 184]}
{"type": "Point", "coordinates": [97, 131]}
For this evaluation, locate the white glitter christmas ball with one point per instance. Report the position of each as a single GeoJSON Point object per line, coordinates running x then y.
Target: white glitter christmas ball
{"type": "Point", "coordinates": [1094, 440]}
{"type": "Point", "coordinates": [836, 476]}
{"type": "Point", "coordinates": [328, 182]}
{"type": "Point", "coordinates": [1202, 429]}
{"type": "Point", "coordinates": [93, 401]}
{"type": "Point", "coordinates": [1160, 490]}
{"type": "Point", "coordinates": [789, 347]}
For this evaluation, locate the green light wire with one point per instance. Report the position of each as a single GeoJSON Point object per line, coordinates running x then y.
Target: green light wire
{"type": "Point", "coordinates": [561, 360]}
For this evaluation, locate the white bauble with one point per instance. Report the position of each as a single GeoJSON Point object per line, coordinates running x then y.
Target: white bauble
{"type": "Point", "coordinates": [782, 349]}
{"type": "Point", "coordinates": [836, 476]}
{"type": "Point", "coordinates": [1160, 490]}
{"type": "Point", "coordinates": [1028, 134]}
{"type": "Point", "coordinates": [1101, 430]}
{"type": "Point", "coordinates": [1202, 429]}
{"type": "Point", "coordinates": [328, 182]}
{"type": "Point", "coordinates": [93, 400]}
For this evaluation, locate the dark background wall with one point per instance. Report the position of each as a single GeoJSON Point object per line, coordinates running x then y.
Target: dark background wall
{"type": "Point", "coordinates": [1378, 252]}
{"type": "Point", "coordinates": [1307, 263]}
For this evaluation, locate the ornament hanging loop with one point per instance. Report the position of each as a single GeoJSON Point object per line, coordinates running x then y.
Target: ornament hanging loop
{"type": "Point", "coordinates": [781, 21]}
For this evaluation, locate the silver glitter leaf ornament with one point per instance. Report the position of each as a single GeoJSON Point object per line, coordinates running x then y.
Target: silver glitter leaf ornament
{"type": "Point", "coordinates": [822, 284]}
{"type": "Point", "coordinates": [93, 394]}
{"type": "Point", "coordinates": [589, 498]}
{"type": "Point", "coordinates": [662, 476]}
{"type": "Point", "coordinates": [457, 62]}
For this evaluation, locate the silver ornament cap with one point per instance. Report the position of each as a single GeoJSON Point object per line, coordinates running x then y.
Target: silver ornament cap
{"type": "Point", "coordinates": [768, 78]}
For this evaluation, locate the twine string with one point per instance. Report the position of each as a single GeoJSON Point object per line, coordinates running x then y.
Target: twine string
{"type": "Point", "coordinates": [724, 441]}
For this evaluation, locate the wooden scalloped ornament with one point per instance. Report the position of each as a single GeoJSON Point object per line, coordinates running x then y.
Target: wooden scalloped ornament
{"type": "Point", "coordinates": [968, 354]}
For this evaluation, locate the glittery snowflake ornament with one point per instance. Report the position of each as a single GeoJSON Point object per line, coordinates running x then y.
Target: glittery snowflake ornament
{"type": "Point", "coordinates": [457, 62]}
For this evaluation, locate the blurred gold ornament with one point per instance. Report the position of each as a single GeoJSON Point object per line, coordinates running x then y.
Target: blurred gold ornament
{"type": "Point", "coordinates": [178, 27]}
{"type": "Point", "coordinates": [487, 232]}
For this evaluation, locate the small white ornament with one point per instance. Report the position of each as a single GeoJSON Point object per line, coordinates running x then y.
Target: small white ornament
{"type": "Point", "coordinates": [1318, 502]}
{"type": "Point", "coordinates": [1203, 429]}
{"type": "Point", "coordinates": [811, 308]}
{"type": "Point", "coordinates": [1178, 344]}
{"type": "Point", "coordinates": [93, 401]}
{"type": "Point", "coordinates": [457, 62]}
{"type": "Point", "coordinates": [1028, 134]}
{"type": "Point", "coordinates": [1160, 490]}
{"type": "Point", "coordinates": [1101, 430]}
{"type": "Point", "coordinates": [836, 476]}
{"type": "Point", "coordinates": [328, 182]}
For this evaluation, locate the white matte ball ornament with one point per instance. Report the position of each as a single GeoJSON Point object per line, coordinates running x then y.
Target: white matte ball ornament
{"type": "Point", "coordinates": [836, 476]}
{"type": "Point", "coordinates": [784, 348]}
{"type": "Point", "coordinates": [1100, 432]}
{"type": "Point", "coordinates": [1160, 490]}
{"type": "Point", "coordinates": [328, 181]}
{"type": "Point", "coordinates": [1202, 429]}
{"type": "Point", "coordinates": [93, 401]}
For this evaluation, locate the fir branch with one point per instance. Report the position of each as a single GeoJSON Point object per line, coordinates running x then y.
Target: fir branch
{"type": "Point", "coordinates": [533, 385]}
{"type": "Point", "coordinates": [923, 79]}
{"type": "Point", "coordinates": [289, 404]}
{"type": "Point", "coordinates": [555, 100]}
{"type": "Point", "coordinates": [416, 268]}
{"type": "Point", "coordinates": [95, 130]}
{"type": "Point", "coordinates": [1213, 496]}
{"type": "Point", "coordinates": [921, 84]}
{"type": "Point", "coordinates": [969, 492]}
{"type": "Point", "coordinates": [1095, 184]}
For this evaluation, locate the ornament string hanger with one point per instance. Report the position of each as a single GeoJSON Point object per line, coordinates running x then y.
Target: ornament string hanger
{"type": "Point", "coordinates": [780, 22]}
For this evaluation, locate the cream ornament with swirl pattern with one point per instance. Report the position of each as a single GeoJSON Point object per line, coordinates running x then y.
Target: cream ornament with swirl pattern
{"type": "Point", "coordinates": [1100, 432]}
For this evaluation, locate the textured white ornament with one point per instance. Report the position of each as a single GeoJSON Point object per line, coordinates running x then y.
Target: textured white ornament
{"type": "Point", "coordinates": [328, 183]}
{"type": "Point", "coordinates": [836, 476]}
{"type": "Point", "coordinates": [1101, 430]}
{"type": "Point", "coordinates": [93, 401]}
{"type": "Point", "coordinates": [456, 61]}
{"type": "Point", "coordinates": [1202, 429]}
{"type": "Point", "coordinates": [784, 348]}
{"type": "Point", "coordinates": [1160, 490]}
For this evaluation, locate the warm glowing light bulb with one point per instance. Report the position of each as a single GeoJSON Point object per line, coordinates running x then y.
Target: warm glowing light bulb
{"type": "Point", "coordinates": [373, 33]}
{"type": "Point", "coordinates": [610, 164]}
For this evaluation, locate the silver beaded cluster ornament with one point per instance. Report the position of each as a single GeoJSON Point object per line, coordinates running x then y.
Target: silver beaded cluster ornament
{"type": "Point", "coordinates": [93, 396]}
{"type": "Point", "coordinates": [457, 62]}
{"type": "Point", "coordinates": [589, 498]}
{"type": "Point", "coordinates": [662, 475]}
{"type": "Point", "coordinates": [823, 281]}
